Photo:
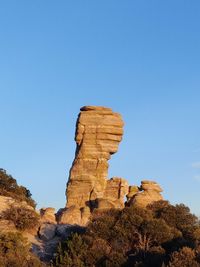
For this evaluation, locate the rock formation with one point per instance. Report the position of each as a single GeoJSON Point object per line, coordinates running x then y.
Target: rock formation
{"type": "Point", "coordinates": [133, 190]}
{"type": "Point", "coordinates": [99, 131]}
{"type": "Point", "coordinates": [47, 215]}
{"type": "Point", "coordinates": [147, 193]}
{"type": "Point", "coordinates": [7, 202]}
{"type": "Point", "coordinates": [113, 197]}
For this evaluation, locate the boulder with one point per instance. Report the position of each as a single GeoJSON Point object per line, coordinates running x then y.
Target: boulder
{"type": "Point", "coordinates": [149, 192]}
{"type": "Point", "coordinates": [74, 215]}
{"type": "Point", "coordinates": [47, 231]}
{"type": "Point", "coordinates": [47, 215]}
{"type": "Point", "coordinates": [71, 215]}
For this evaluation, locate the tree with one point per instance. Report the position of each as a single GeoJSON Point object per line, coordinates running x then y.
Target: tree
{"type": "Point", "coordinates": [185, 257]}
{"type": "Point", "coordinates": [72, 252]}
{"type": "Point", "coordinates": [14, 251]}
{"type": "Point", "coordinates": [134, 237]}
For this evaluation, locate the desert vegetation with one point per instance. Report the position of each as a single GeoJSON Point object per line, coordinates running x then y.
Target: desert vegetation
{"type": "Point", "coordinates": [23, 218]}
{"type": "Point", "coordinates": [15, 251]}
{"type": "Point", "coordinates": [10, 188]}
{"type": "Point", "coordinates": [160, 235]}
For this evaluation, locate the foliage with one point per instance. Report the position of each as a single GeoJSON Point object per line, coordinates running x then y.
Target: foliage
{"type": "Point", "coordinates": [185, 224]}
{"type": "Point", "coordinates": [22, 218]}
{"type": "Point", "coordinates": [71, 252]}
{"type": "Point", "coordinates": [14, 252]}
{"type": "Point", "coordinates": [185, 257]}
{"type": "Point", "coordinates": [10, 188]}
{"type": "Point", "coordinates": [154, 236]}
{"type": "Point", "coordinates": [178, 216]}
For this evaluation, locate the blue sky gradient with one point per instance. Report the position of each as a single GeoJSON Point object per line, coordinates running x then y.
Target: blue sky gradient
{"type": "Point", "coordinates": [141, 58]}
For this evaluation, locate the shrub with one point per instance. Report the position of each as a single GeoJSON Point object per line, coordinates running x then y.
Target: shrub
{"type": "Point", "coordinates": [14, 252]}
{"type": "Point", "coordinates": [72, 252]}
{"type": "Point", "coordinates": [185, 257]}
{"type": "Point", "coordinates": [10, 188]}
{"type": "Point", "coordinates": [22, 218]}
{"type": "Point", "coordinates": [151, 237]}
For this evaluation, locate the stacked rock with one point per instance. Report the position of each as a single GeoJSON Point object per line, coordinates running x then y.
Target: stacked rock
{"type": "Point", "coordinates": [99, 131]}
{"type": "Point", "coordinates": [149, 192]}
{"type": "Point", "coordinates": [114, 193]}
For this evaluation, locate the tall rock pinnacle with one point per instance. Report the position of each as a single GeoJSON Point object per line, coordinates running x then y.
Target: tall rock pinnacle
{"type": "Point", "coordinates": [99, 131]}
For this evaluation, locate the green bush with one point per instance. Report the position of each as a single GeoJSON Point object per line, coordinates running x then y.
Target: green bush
{"type": "Point", "coordinates": [22, 218]}
{"type": "Point", "coordinates": [72, 252]}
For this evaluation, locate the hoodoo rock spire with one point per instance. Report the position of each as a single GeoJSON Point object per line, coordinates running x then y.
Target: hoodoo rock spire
{"type": "Point", "coordinates": [99, 131]}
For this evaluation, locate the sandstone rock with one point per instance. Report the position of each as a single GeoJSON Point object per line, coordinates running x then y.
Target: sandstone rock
{"type": "Point", "coordinates": [99, 131]}
{"type": "Point", "coordinates": [103, 204]}
{"type": "Point", "coordinates": [116, 189]}
{"type": "Point", "coordinates": [150, 185]}
{"type": "Point", "coordinates": [150, 192]}
{"type": "Point", "coordinates": [47, 215]}
{"type": "Point", "coordinates": [7, 202]}
{"type": "Point", "coordinates": [71, 215]}
{"type": "Point", "coordinates": [74, 215]}
{"type": "Point", "coordinates": [133, 190]}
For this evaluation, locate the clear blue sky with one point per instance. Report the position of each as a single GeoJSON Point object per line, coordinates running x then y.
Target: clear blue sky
{"type": "Point", "coordinates": [141, 58]}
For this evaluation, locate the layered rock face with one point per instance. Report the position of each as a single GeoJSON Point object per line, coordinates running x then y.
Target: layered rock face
{"type": "Point", "coordinates": [113, 197]}
{"type": "Point", "coordinates": [99, 131]}
{"type": "Point", "coordinates": [146, 194]}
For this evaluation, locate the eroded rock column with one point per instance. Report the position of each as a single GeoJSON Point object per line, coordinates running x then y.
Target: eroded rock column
{"type": "Point", "coordinates": [99, 131]}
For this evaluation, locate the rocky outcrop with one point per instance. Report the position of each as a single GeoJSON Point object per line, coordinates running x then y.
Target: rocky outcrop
{"type": "Point", "coordinates": [113, 197]}
{"type": "Point", "coordinates": [133, 190]}
{"type": "Point", "coordinates": [99, 131]}
{"type": "Point", "coordinates": [7, 202]}
{"type": "Point", "coordinates": [47, 215]}
{"type": "Point", "coordinates": [147, 193]}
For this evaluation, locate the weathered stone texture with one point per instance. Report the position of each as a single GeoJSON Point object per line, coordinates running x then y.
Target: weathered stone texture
{"type": "Point", "coordinates": [148, 193]}
{"type": "Point", "coordinates": [8, 202]}
{"type": "Point", "coordinates": [113, 197]}
{"type": "Point", "coordinates": [99, 131]}
{"type": "Point", "coordinates": [47, 215]}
